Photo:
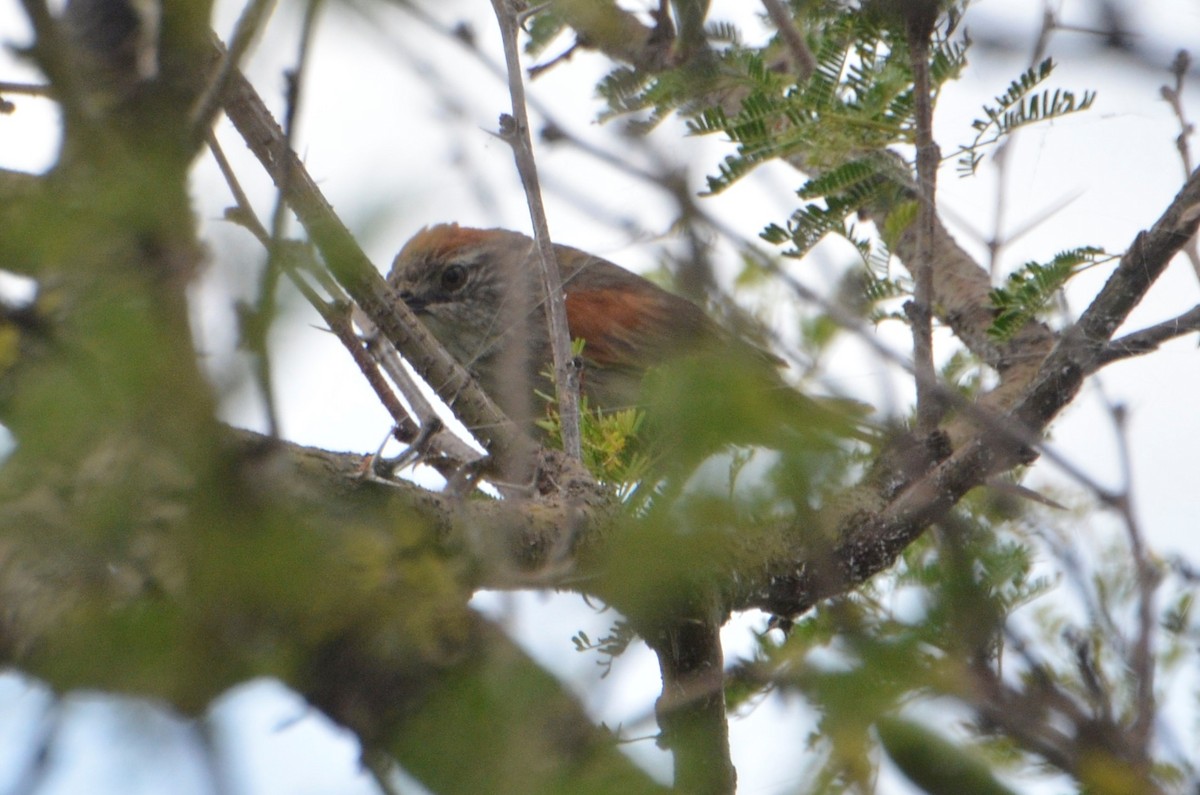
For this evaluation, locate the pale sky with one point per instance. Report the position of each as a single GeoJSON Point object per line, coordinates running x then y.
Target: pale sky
{"type": "Point", "coordinates": [393, 156]}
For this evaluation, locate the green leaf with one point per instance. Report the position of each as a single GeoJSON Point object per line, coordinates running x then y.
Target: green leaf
{"type": "Point", "coordinates": [1018, 107]}
{"type": "Point", "coordinates": [1029, 289]}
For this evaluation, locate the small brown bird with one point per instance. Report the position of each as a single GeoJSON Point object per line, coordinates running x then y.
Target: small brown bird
{"type": "Point", "coordinates": [478, 291]}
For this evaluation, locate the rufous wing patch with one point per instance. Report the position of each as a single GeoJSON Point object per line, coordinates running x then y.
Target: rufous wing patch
{"type": "Point", "coordinates": [620, 328]}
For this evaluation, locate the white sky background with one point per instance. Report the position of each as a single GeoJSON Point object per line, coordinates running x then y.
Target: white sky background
{"type": "Point", "coordinates": [366, 135]}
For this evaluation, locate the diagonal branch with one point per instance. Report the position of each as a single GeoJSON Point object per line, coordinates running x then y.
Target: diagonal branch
{"type": "Point", "coordinates": [1149, 339]}
{"type": "Point", "coordinates": [868, 541]}
{"type": "Point", "coordinates": [245, 30]}
{"type": "Point", "coordinates": [803, 59]}
{"type": "Point", "coordinates": [1080, 351]}
{"type": "Point", "coordinates": [363, 282]}
{"type": "Point", "coordinates": [961, 285]}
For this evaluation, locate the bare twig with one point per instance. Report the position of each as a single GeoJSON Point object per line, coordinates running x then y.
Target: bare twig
{"type": "Point", "coordinates": [919, 28]}
{"type": "Point", "coordinates": [1001, 159]}
{"type": "Point", "coordinates": [537, 70]}
{"type": "Point", "coordinates": [51, 52]}
{"type": "Point", "coordinates": [802, 57]}
{"type": "Point", "coordinates": [337, 313]}
{"type": "Point", "coordinates": [384, 354]}
{"type": "Point", "coordinates": [383, 769]}
{"type": "Point", "coordinates": [338, 319]}
{"type": "Point", "coordinates": [1141, 657]}
{"type": "Point", "coordinates": [1149, 339]}
{"type": "Point", "coordinates": [243, 212]}
{"type": "Point", "coordinates": [252, 18]}
{"type": "Point", "coordinates": [366, 286]}
{"type": "Point", "coordinates": [1174, 97]}
{"type": "Point", "coordinates": [259, 319]}
{"type": "Point", "coordinates": [27, 89]}
{"type": "Point", "coordinates": [516, 133]}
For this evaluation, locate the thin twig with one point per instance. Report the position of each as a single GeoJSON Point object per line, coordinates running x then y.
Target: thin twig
{"type": "Point", "coordinates": [338, 320]}
{"type": "Point", "coordinates": [263, 314]}
{"type": "Point", "coordinates": [382, 768]}
{"type": "Point", "coordinates": [1141, 658]}
{"type": "Point", "coordinates": [358, 276]}
{"type": "Point", "coordinates": [52, 55]}
{"type": "Point", "coordinates": [516, 133]}
{"type": "Point", "coordinates": [802, 57]}
{"type": "Point", "coordinates": [27, 89]}
{"type": "Point", "coordinates": [1001, 158]}
{"type": "Point", "coordinates": [919, 29]}
{"type": "Point", "coordinates": [370, 351]}
{"type": "Point", "coordinates": [1149, 339]}
{"type": "Point", "coordinates": [245, 215]}
{"type": "Point", "coordinates": [1174, 97]}
{"type": "Point", "coordinates": [384, 354]}
{"type": "Point", "coordinates": [1015, 711]}
{"type": "Point", "coordinates": [245, 30]}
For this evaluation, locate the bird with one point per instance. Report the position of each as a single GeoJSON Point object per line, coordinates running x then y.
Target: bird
{"type": "Point", "coordinates": [478, 291]}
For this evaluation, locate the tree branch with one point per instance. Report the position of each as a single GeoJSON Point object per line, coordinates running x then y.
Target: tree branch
{"type": "Point", "coordinates": [364, 284]}
{"type": "Point", "coordinates": [919, 27]}
{"type": "Point", "coordinates": [1149, 339]}
{"type": "Point", "coordinates": [868, 540]}
{"type": "Point", "coordinates": [803, 59]}
{"type": "Point", "coordinates": [516, 133]}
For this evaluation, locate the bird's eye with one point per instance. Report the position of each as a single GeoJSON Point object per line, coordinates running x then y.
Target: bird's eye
{"type": "Point", "coordinates": [454, 277]}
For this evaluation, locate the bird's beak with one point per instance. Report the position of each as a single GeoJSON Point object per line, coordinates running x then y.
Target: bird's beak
{"type": "Point", "coordinates": [414, 302]}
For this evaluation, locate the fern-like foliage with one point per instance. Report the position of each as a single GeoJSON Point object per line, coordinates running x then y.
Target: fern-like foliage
{"type": "Point", "coordinates": [839, 123]}
{"type": "Point", "coordinates": [609, 647]}
{"type": "Point", "coordinates": [834, 198]}
{"type": "Point", "coordinates": [610, 448]}
{"type": "Point", "coordinates": [722, 32]}
{"type": "Point", "coordinates": [1017, 107]}
{"type": "Point", "coordinates": [858, 101]}
{"type": "Point", "coordinates": [879, 291]}
{"type": "Point", "coordinates": [1030, 288]}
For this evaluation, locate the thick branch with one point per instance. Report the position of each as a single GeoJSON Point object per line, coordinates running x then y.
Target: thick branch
{"type": "Point", "coordinates": [1080, 352]}
{"type": "Point", "coordinates": [869, 542]}
{"type": "Point", "coordinates": [349, 591]}
{"type": "Point", "coordinates": [691, 710]}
